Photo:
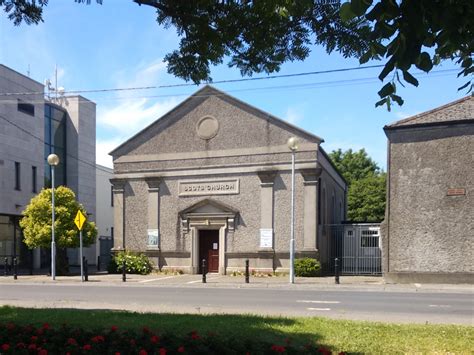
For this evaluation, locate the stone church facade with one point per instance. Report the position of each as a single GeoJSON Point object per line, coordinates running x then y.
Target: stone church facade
{"type": "Point", "coordinates": [211, 180]}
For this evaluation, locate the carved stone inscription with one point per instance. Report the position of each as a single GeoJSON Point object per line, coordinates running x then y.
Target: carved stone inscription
{"type": "Point", "coordinates": [209, 187]}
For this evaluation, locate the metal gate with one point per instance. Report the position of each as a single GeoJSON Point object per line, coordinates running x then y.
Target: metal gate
{"type": "Point", "coordinates": [357, 246]}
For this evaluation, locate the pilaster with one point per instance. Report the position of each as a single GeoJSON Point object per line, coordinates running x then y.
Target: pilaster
{"type": "Point", "coordinates": [118, 188]}
{"type": "Point", "coordinates": [310, 216]}
{"type": "Point", "coordinates": [153, 228]}
{"type": "Point", "coordinates": [267, 179]}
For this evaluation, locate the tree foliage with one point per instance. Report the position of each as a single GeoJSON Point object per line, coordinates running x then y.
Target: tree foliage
{"type": "Point", "coordinates": [418, 33]}
{"type": "Point", "coordinates": [37, 217]}
{"type": "Point", "coordinates": [366, 199]}
{"type": "Point", "coordinates": [354, 165]}
{"type": "Point", "coordinates": [366, 182]}
{"type": "Point", "coordinates": [256, 36]}
{"type": "Point", "coordinates": [259, 36]}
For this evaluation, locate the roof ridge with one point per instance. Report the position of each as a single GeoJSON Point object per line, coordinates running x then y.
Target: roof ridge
{"type": "Point", "coordinates": [434, 110]}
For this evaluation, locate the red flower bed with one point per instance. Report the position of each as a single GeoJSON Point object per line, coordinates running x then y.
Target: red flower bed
{"type": "Point", "coordinates": [68, 340]}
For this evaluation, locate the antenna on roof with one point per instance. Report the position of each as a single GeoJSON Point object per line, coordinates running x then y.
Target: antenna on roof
{"type": "Point", "coordinates": [58, 92]}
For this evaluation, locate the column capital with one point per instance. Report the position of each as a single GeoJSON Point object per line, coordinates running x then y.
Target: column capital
{"type": "Point", "coordinates": [311, 176]}
{"type": "Point", "coordinates": [118, 184]}
{"type": "Point", "coordinates": [267, 177]}
{"type": "Point", "coordinates": [153, 183]}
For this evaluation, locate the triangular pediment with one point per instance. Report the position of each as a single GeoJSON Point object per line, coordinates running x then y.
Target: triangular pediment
{"type": "Point", "coordinates": [211, 120]}
{"type": "Point", "coordinates": [208, 207]}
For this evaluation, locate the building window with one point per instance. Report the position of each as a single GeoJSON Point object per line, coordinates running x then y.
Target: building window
{"type": "Point", "coordinates": [33, 179]}
{"type": "Point", "coordinates": [324, 207]}
{"type": "Point", "coordinates": [112, 195]}
{"type": "Point", "coordinates": [17, 176]}
{"type": "Point", "coordinates": [333, 208]}
{"type": "Point", "coordinates": [55, 142]}
{"type": "Point", "coordinates": [112, 232]}
{"type": "Point", "coordinates": [319, 201]}
{"type": "Point", "coordinates": [369, 239]}
{"type": "Point", "coordinates": [27, 108]}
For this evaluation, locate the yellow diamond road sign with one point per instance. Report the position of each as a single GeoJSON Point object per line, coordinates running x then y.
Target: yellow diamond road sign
{"type": "Point", "coordinates": [79, 220]}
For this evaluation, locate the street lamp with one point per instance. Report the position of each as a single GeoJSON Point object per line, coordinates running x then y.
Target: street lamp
{"type": "Point", "coordinates": [293, 145]}
{"type": "Point", "coordinates": [53, 160]}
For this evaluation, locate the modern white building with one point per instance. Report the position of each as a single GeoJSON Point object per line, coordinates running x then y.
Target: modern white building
{"type": "Point", "coordinates": [104, 219]}
{"type": "Point", "coordinates": [31, 128]}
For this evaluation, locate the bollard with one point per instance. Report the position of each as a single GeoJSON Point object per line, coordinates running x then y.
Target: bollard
{"type": "Point", "coordinates": [124, 271]}
{"type": "Point", "coordinates": [336, 270]}
{"type": "Point", "coordinates": [31, 262]}
{"type": "Point", "coordinates": [247, 271]}
{"type": "Point", "coordinates": [98, 263]}
{"type": "Point", "coordinates": [15, 269]}
{"type": "Point", "coordinates": [86, 270]}
{"type": "Point", "coordinates": [6, 267]}
{"type": "Point", "coordinates": [204, 271]}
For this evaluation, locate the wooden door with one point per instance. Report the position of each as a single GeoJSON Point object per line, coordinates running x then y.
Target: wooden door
{"type": "Point", "coordinates": [209, 249]}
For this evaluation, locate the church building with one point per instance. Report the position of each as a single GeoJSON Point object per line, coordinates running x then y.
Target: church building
{"type": "Point", "coordinates": [211, 179]}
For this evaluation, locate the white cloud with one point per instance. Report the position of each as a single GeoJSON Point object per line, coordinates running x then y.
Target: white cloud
{"type": "Point", "coordinates": [125, 115]}
{"type": "Point", "coordinates": [102, 150]}
{"type": "Point", "coordinates": [132, 115]}
{"type": "Point", "coordinates": [293, 115]}
{"type": "Point", "coordinates": [144, 74]}
{"type": "Point", "coordinates": [402, 115]}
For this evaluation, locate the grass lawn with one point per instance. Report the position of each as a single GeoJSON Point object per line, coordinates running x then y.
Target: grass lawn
{"type": "Point", "coordinates": [337, 335]}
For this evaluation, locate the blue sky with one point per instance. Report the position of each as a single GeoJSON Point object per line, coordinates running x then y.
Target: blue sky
{"type": "Point", "coordinates": [120, 44]}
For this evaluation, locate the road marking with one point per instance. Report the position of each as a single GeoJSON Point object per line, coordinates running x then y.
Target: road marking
{"type": "Point", "coordinates": [318, 309]}
{"type": "Point", "coordinates": [161, 278]}
{"type": "Point", "coordinates": [200, 280]}
{"type": "Point", "coordinates": [324, 302]}
{"type": "Point", "coordinates": [440, 305]}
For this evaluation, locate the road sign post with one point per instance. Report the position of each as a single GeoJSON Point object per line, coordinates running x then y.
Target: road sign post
{"type": "Point", "coordinates": [79, 221]}
{"type": "Point", "coordinates": [80, 255]}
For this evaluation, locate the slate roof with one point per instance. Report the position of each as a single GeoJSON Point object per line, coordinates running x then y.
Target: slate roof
{"type": "Point", "coordinates": [459, 110]}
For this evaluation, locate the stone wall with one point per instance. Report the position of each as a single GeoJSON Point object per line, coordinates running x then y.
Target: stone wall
{"type": "Point", "coordinates": [428, 235]}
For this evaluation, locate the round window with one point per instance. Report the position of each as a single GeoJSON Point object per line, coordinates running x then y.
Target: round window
{"type": "Point", "coordinates": [207, 127]}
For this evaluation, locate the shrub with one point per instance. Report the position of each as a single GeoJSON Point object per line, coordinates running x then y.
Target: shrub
{"type": "Point", "coordinates": [18, 339]}
{"type": "Point", "coordinates": [135, 263]}
{"type": "Point", "coordinates": [307, 267]}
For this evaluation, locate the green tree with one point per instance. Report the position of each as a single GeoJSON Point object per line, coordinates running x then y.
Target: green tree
{"type": "Point", "coordinates": [37, 217]}
{"type": "Point", "coordinates": [366, 183]}
{"type": "Point", "coordinates": [366, 199]}
{"type": "Point", "coordinates": [354, 165]}
{"type": "Point", "coordinates": [259, 36]}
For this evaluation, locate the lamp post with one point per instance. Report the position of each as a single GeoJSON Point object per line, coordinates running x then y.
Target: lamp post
{"type": "Point", "coordinates": [293, 145]}
{"type": "Point", "coordinates": [53, 160]}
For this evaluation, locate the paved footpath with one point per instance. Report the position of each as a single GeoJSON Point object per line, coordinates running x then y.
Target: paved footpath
{"type": "Point", "coordinates": [360, 283]}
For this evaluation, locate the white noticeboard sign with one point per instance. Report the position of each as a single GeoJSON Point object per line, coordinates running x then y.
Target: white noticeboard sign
{"type": "Point", "coordinates": [266, 238]}
{"type": "Point", "coordinates": [153, 237]}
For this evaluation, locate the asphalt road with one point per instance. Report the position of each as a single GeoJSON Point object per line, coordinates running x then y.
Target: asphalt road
{"type": "Point", "coordinates": [400, 307]}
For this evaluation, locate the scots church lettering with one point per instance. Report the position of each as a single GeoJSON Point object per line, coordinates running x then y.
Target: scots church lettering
{"type": "Point", "coordinates": [220, 187]}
